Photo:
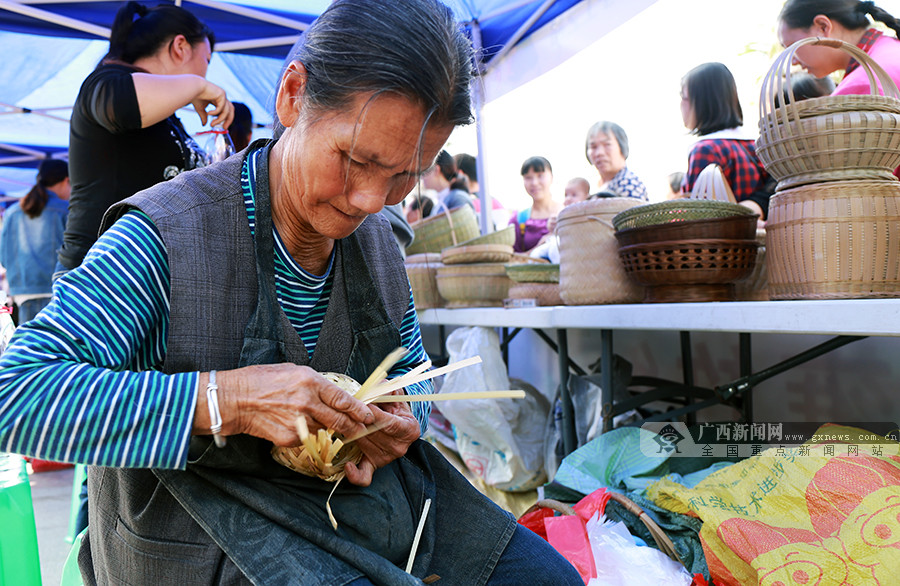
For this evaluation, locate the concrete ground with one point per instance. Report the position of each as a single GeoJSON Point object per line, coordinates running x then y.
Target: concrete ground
{"type": "Point", "coordinates": [51, 494]}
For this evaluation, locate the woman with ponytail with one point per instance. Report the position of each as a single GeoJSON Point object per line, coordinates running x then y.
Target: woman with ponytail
{"type": "Point", "coordinates": [125, 136]}
{"type": "Point", "coordinates": [32, 232]}
{"type": "Point", "coordinates": [849, 21]}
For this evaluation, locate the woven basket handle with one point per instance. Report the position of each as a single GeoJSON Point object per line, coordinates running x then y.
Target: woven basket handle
{"type": "Point", "coordinates": [580, 219]}
{"type": "Point", "coordinates": [778, 77]}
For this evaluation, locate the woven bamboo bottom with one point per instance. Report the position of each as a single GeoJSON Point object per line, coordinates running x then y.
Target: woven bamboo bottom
{"type": "Point", "coordinates": [462, 304]}
{"type": "Point", "coordinates": [543, 293]}
{"type": "Point", "coordinates": [689, 293]}
{"type": "Point", "coordinates": [835, 241]}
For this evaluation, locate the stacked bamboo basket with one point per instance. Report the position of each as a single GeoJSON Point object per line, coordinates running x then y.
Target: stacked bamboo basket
{"type": "Point", "coordinates": [834, 221]}
{"type": "Point", "coordinates": [473, 274]}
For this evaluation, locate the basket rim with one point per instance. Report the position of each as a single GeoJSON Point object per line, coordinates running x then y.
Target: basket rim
{"type": "Point", "coordinates": [675, 206]}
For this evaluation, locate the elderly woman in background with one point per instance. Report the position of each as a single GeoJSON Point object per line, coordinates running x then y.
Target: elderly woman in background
{"type": "Point", "coordinates": [606, 148]}
{"type": "Point", "coordinates": [247, 279]}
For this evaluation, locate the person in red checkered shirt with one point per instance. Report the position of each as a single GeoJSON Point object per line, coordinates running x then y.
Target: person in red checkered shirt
{"type": "Point", "coordinates": [711, 110]}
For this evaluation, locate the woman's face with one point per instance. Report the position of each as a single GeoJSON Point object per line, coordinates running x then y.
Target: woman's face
{"type": "Point", "coordinates": [537, 183]}
{"type": "Point", "coordinates": [338, 167]}
{"type": "Point", "coordinates": [687, 110]}
{"type": "Point", "coordinates": [199, 58]}
{"type": "Point", "coordinates": [819, 61]}
{"type": "Point", "coordinates": [604, 153]}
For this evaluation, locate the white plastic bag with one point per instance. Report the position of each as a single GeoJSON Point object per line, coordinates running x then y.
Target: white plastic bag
{"type": "Point", "coordinates": [620, 562]}
{"type": "Point", "coordinates": [500, 440]}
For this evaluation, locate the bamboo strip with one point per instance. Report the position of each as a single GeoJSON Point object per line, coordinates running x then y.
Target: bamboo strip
{"type": "Point", "coordinates": [449, 396]}
{"type": "Point", "coordinates": [381, 371]}
{"type": "Point", "coordinates": [402, 381]}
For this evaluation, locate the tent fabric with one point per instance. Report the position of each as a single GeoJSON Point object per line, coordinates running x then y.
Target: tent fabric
{"type": "Point", "coordinates": [51, 46]}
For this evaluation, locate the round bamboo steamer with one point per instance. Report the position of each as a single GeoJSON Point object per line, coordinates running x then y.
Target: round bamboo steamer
{"type": "Point", "coordinates": [473, 285]}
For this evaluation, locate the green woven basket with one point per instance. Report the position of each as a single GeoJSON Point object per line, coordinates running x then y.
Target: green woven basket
{"type": "Point", "coordinates": [533, 273]}
{"type": "Point", "coordinates": [677, 210]}
{"type": "Point", "coordinates": [504, 236]}
{"type": "Point", "coordinates": [436, 233]}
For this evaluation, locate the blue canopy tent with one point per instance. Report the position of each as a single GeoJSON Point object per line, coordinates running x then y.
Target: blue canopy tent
{"type": "Point", "coordinates": [50, 46]}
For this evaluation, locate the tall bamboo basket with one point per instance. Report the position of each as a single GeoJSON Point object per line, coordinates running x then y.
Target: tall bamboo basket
{"type": "Point", "coordinates": [836, 240]}
{"type": "Point", "coordinates": [422, 272]}
{"type": "Point", "coordinates": [830, 138]}
{"type": "Point", "coordinates": [590, 271]}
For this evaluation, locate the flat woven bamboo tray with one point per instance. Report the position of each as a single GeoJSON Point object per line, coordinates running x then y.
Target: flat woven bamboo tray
{"type": "Point", "coordinates": [677, 210]}
{"type": "Point", "coordinates": [830, 138]}
{"type": "Point", "coordinates": [476, 253]}
{"type": "Point", "coordinates": [449, 228]}
{"type": "Point", "coordinates": [836, 240]}
{"type": "Point", "coordinates": [590, 271]}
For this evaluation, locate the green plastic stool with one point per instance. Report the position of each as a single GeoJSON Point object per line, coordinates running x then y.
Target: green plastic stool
{"type": "Point", "coordinates": [80, 474]}
{"type": "Point", "coordinates": [19, 559]}
{"type": "Point", "coordinates": [71, 575]}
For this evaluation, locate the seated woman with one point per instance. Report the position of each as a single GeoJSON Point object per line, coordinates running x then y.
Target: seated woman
{"type": "Point", "coordinates": [710, 109]}
{"type": "Point", "coordinates": [532, 223]}
{"type": "Point", "coordinates": [606, 148]}
{"type": "Point", "coordinates": [209, 306]}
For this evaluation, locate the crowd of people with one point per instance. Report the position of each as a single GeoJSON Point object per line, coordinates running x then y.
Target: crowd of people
{"type": "Point", "coordinates": [166, 306]}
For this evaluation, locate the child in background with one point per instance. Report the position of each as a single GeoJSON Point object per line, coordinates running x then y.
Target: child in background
{"type": "Point", "coordinates": [577, 189]}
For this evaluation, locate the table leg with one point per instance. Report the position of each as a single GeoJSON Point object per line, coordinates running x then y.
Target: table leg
{"type": "Point", "coordinates": [687, 370]}
{"type": "Point", "coordinates": [746, 370]}
{"type": "Point", "coordinates": [569, 436]}
{"type": "Point", "coordinates": [606, 378]}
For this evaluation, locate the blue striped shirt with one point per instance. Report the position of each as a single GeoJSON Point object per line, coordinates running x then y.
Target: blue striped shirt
{"type": "Point", "coordinates": [80, 382]}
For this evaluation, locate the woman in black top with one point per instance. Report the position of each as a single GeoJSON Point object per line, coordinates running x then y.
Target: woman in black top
{"type": "Point", "coordinates": [124, 133]}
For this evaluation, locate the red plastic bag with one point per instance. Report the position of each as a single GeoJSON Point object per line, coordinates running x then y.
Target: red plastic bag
{"type": "Point", "coordinates": [567, 534]}
{"type": "Point", "coordinates": [535, 520]}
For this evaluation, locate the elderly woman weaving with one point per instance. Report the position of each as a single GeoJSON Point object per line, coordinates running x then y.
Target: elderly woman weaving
{"type": "Point", "coordinates": [225, 292]}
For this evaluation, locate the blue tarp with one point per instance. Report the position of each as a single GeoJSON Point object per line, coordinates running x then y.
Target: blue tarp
{"type": "Point", "coordinates": [50, 47]}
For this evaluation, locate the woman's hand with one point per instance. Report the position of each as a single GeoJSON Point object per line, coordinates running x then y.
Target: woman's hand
{"type": "Point", "coordinates": [223, 109]}
{"type": "Point", "coordinates": [264, 401]}
{"type": "Point", "coordinates": [400, 429]}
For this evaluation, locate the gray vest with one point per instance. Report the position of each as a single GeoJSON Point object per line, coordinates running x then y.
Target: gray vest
{"type": "Point", "coordinates": [141, 519]}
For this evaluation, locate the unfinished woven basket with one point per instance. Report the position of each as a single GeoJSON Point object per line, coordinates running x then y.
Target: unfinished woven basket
{"type": "Point", "coordinates": [449, 228]}
{"type": "Point", "coordinates": [590, 271]}
{"type": "Point", "coordinates": [833, 138]}
{"type": "Point", "coordinates": [836, 240]}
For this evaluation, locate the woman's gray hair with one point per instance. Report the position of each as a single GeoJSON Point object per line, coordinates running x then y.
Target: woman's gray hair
{"type": "Point", "coordinates": [414, 48]}
{"type": "Point", "coordinates": [607, 128]}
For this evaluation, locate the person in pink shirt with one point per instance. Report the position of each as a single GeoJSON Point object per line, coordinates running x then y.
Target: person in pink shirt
{"type": "Point", "coordinates": [849, 21]}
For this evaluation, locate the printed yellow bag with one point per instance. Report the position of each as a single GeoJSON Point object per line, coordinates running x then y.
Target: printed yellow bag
{"type": "Point", "coordinates": [826, 512]}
